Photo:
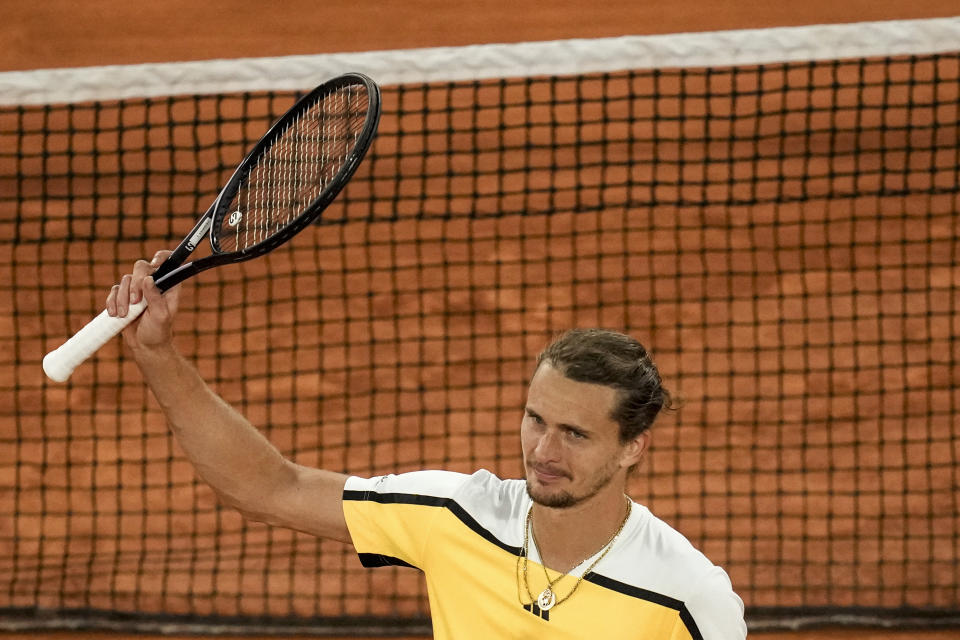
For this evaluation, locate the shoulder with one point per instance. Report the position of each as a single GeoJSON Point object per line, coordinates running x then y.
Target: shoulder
{"type": "Point", "coordinates": [651, 540]}
{"type": "Point", "coordinates": [657, 561]}
{"type": "Point", "coordinates": [480, 502]}
{"type": "Point", "coordinates": [430, 483]}
{"type": "Point", "coordinates": [480, 491]}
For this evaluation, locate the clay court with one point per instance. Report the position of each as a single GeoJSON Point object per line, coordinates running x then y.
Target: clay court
{"type": "Point", "coordinates": [423, 301]}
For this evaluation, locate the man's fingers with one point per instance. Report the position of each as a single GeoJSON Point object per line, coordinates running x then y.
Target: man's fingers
{"type": "Point", "coordinates": [142, 270]}
{"type": "Point", "coordinates": [123, 295]}
{"type": "Point", "coordinates": [112, 300]}
{"type": "Point", "coordinates": [130, 290]}
{"type": "Point", "coordinates": [164, 304]}
{"type": "Point", "coordinates": [151, 292]}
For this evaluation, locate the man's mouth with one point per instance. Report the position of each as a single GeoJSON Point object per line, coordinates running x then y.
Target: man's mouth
{"type": "Point", "coordinates": [547, 475]}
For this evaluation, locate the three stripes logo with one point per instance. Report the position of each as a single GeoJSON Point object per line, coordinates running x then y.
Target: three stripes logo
{"type": "Point", "coordinates": [537, 611]}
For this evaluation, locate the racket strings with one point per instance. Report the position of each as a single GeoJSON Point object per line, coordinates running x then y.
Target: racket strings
{"type": "Point", "coordinates": [297, 168]}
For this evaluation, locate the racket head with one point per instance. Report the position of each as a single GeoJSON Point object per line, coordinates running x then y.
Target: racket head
{"type": "Point", "coordinates": [297, 169]}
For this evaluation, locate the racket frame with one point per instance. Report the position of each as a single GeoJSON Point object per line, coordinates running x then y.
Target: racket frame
{"type": "Point", "coordinates": [173, 270]}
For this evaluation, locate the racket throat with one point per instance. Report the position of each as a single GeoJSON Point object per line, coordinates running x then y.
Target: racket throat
{"type": "Point", "coordinates": [202, 228]}
{"type": "Point", "coordinates": [175, 259]}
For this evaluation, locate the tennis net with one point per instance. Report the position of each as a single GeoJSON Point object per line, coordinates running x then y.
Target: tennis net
{"type": "Point", "coordinates": [774, 213]}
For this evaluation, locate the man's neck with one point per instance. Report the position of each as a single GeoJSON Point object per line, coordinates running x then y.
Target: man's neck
{"type": "Point", "coordinates": [568, 536]}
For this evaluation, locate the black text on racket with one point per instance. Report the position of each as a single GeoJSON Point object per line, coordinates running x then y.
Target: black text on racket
{"type": "Point", "coordinates": [284, 183]}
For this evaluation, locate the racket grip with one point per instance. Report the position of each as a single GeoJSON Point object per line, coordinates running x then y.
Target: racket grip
{"type": "Point", "coordinates": [60, 363]}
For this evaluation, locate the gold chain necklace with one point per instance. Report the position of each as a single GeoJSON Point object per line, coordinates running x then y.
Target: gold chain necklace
{"type": "Point", "coordinates": [548, 597]}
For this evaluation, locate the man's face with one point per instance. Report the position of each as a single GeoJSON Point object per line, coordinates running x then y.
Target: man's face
{"type": "Point", "coordinates": [571, 445]}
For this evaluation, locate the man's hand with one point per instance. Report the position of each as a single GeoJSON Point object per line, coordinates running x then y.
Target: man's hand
{"type": "Point", "coordinates": [154, 328]}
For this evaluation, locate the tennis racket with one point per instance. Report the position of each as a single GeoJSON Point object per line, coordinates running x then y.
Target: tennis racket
{"type": "Point", "coordinates": [289, 177]}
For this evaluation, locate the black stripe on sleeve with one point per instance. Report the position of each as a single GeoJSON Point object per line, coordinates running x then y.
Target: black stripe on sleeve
{"type": "Point", "coordinates": [371, 560]}
{"type": "Point", "coordinates": [649, 596]}
{"type": "Point", "coordinates": [690, 624]}
{"type": "Point", "coordinates": [432, 501]}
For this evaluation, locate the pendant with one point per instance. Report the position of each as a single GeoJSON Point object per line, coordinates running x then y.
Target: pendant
{"type": "Point", "coordinates": [547, 599]}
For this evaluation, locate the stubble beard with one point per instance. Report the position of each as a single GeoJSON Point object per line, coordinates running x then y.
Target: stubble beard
{"type": "Point", "coordinates": [566, 499]}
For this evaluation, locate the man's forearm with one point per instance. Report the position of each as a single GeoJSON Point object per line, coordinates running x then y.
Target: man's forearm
{"type": "Point", "coordinates": [231, 455]}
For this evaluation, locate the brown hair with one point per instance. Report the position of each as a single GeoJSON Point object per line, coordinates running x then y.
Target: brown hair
{"type": "Point", "coordinates": [600, 356]}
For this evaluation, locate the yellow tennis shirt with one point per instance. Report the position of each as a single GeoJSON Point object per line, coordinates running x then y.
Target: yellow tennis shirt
{"type": "Point", "coordinates": [465, 532]}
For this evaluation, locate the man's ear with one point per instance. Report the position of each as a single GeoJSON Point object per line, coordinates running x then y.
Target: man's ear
{"type": "Point", "coordinates": [634, 450]}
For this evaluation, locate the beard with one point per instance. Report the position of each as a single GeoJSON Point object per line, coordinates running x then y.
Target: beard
{"type": "Point", "coordinates": [557, 500]}
{"type": "Point", "coordinates": [562, 499]}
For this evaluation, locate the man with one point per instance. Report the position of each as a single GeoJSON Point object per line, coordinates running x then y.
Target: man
{"type": "Point", "coordinates": [563, 554]}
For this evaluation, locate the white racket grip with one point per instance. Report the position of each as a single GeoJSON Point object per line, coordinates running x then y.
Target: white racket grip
{"type": "Point", "coordinates": [60, 363]}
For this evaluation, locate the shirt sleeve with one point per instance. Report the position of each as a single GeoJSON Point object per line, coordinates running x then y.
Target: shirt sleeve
{"type": "Point", "coordinates": [716, 609]}
{"type": "Point", "coordinates": [390, 517]}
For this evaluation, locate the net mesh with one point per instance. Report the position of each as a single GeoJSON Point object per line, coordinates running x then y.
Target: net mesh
{"type": "Point", "coordinates": [782, 236]}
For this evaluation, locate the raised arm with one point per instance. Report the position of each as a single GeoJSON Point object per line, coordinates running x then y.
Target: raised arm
{"type": "Point", "coordinates": [231, 455]}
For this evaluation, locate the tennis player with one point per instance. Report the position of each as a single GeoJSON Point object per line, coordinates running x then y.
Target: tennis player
{"type": "Point", "coordinates": [564, 553]}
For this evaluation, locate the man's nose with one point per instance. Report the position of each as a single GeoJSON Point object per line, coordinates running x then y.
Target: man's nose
{"type": "Point", "coordinates": [548, 445]}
